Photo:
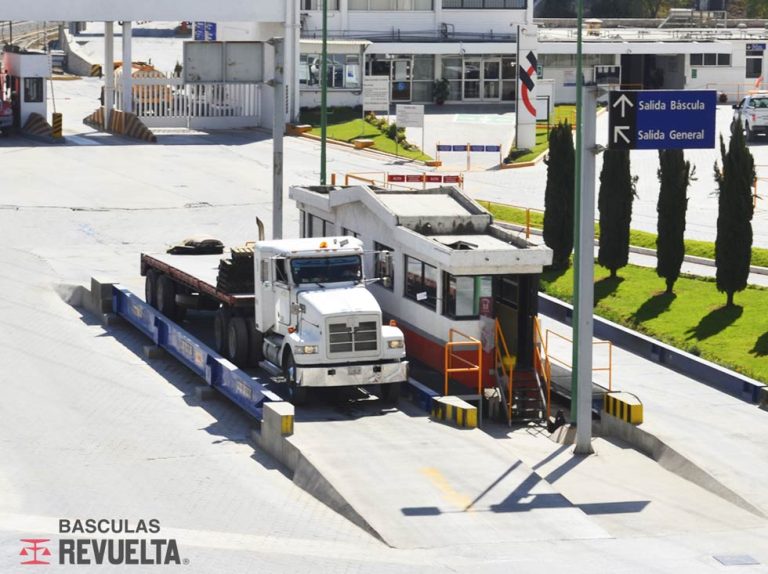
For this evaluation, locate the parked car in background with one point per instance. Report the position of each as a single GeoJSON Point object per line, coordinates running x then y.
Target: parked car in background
{"type": "Point", "coordinates": [753, 113]}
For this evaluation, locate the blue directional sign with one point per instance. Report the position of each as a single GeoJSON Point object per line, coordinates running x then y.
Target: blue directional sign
{"type": "Point", "coordinates": [662, 119]}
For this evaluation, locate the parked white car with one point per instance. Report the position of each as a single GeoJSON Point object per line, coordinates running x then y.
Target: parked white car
{"type": "Point", "coordinates": [753, 112]}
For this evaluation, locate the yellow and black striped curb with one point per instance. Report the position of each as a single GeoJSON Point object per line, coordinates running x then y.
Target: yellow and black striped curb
{"type": "Point", "coordinates": [122, 123]}
{"type": "Point", "coordinates": [624, 406]}
{"type": "Point", "coordinates": [37, 125]}
{"type": "Point", "coordinates": [96, 70]}
{"type": "Point", "coordinates": [454, 410]}
{"type": "Point", "coordinates": [57, 124]}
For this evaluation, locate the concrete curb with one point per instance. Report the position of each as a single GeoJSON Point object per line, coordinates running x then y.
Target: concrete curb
{"type": "Point", "coordinates": [730, 382]}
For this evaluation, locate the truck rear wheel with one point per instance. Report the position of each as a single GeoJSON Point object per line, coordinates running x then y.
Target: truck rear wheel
{"type": "Point", "coordinates": [166, 299]}
{"type": "Point", "coordinates": [298, 394]}
{"type": "Point", "coordinates": [150, 288]}
{"type": "Point", "coordinates": [238, 346]}
{"type": "Point", "coordinates": [220, 328]}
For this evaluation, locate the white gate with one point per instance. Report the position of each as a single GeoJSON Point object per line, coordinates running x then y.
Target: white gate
{"type": "Point", "coordinates": [161, 101]}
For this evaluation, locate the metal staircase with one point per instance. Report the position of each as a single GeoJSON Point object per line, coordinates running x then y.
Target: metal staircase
{"type": "Point", "coordinates": [524, 392]}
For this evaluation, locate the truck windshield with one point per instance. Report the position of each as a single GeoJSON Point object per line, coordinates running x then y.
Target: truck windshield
{"type": "Point", "coordinates": [326, 269]}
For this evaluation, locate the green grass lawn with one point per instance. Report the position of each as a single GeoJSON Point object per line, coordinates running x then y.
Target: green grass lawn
{"type": "Point", "coordinates": [694, 319]}
{"type": "Point", "coordinates": [562, 113]}
{"type": "Point", "coordinates": [345, 124]}
{"type": "Point", "coordinates": [705, 249]}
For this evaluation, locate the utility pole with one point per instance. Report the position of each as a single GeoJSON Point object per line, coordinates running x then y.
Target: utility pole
{"type": "Point", "coordinates": [584, 253]}
{"type": "Point", "coordinates": [324, 94]}
{"type": "Point", "coordinates": [278, 130]}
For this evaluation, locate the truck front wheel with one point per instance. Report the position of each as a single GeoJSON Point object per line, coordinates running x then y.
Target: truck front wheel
{"type": "Point", "coordinates": [238, 346]}
{"type": "Point", "coordinates": [298, 394]}
{"type": "Point", "coordinates": [390, 393]}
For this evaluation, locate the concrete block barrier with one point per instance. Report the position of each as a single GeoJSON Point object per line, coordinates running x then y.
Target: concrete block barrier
{"type": "Point", "coordinates": [624, 406]}
{"type": "Point", "coordinates": [456, 411]}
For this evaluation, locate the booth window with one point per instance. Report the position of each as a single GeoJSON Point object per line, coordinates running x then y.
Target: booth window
{"type": "Point", "coordinates": [33, 90]}
{"type": "Point", "coordinates": [421, 282]}
{"type": "Point", "coordinates": [383, 267]}
{"type": "Point", "coordinates": [317, 226]}
{"type": "Point", "coordinates": [459, 297]}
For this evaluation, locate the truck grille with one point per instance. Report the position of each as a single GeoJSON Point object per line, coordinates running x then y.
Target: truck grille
{"type": "Point", "coordinates": [344, 339]}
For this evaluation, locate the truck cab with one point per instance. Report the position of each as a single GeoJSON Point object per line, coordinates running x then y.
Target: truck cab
{"type": "Point", "coordinates": [317, 320]}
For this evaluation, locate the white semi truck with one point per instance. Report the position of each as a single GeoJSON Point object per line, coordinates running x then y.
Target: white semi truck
{"type": "Point", "coordinates": [301, 305]}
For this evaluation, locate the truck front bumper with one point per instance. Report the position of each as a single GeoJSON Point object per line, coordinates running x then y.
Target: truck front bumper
{"type": "Point", "coordinates": [351, 375]}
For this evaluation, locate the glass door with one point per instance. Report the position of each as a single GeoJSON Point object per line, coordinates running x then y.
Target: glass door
{"type": "Point", "coordinates": [491, 80]}
{"type": "Point", "coordinates": [472, 72]}
{"type": "Point", "coordinates": [401, 81]}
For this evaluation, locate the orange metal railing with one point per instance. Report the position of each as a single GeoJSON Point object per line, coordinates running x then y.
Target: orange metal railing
{"type": "Point", "coordinates": [528, 210]}
{"type": "Point", "coordinates": [507, 367]}
{"type": "Point", "coordinates": [567, 364]}
{"type": "Point", "coordinates": [541, 362]}
{"type": "Point", "coordinates": [452, 347]}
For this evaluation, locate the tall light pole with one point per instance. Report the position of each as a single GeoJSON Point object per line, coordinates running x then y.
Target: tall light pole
{"type": "Point", "coordinates": [324, 94]}
{"type": "Point", "coordinates": [584, 255]}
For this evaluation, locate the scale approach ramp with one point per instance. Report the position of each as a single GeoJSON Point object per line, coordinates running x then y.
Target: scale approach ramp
{"type": "Point", "coordinates": [420, 484]}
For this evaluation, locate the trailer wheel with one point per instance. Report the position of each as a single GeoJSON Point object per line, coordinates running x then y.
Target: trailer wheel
{"type": "Point", "coordinates": [390, 393]}
{"type": "Point", "coordinates": [150, 288]}
{"type": "Point", "coordinates": [237, 341]}
{"type": "Point", "coordinates": [166, 298]}
{"type": "Point", "coordinates": [220, 327]}
{"type": "Point", "coordinates": [298, 395]}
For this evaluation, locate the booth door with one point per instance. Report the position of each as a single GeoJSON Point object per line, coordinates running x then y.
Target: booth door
{"type": "Point", "coordinates": [515, 302]}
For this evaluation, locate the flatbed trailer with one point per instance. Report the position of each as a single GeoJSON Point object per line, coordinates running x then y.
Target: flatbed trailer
{"type": "Point", "coordinates": [197, 273]}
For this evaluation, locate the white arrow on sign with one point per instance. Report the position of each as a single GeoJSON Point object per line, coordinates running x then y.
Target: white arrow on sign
{"type": "Point", "coordinates": [619, 131]}
{"type": "Point", "coordinates": [624, 101]}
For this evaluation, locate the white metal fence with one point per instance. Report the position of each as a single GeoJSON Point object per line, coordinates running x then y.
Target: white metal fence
{"type": "Point", "coordinates": [168, 102]}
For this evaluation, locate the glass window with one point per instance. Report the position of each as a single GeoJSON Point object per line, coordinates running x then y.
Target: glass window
{"type": "Point", "coordinates": [318, 227]}
{"type": "Point", "coordinates": [424, 68]}
{"type": "Point", "coordinates": [33, 90]}
{"type": "Point", "coordinates": [459, 296]}
{"type": "Point", "coordinates": [710, 59]}
{"type": "Point", "coordinates": [697, 59]}
{"type": "Point", "coordinates": [326, 269]}
{"type": "Point", "coordinates": [754, 64]}
{"type": "Point", "coordinates": [383, 267]}
{"type": "Point", "coordinates": [451, 68]}
{"type": "Point", "coordinates": [421, 282]}
{"type": "Point", "coordinates": [723, 59]}
{"type": "Point", "coordinates": [280, 273]}
{"type": "Point", "coordinates": [347, 231]}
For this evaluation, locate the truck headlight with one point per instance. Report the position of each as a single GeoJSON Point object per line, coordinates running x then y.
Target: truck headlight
{"type": "Point", "coordinates": [306, 350]}
{"type": "Point", "coordinates": [395, 344]}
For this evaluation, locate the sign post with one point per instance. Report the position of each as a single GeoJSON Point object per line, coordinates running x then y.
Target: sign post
{"type": "Point", "coordinates": [411, 116]}
{"type": "Point", "coordinates": [662, 119]}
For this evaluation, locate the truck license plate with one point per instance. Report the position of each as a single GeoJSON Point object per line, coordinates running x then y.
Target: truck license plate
{"type": "Point", "coordinates": [354, 370]}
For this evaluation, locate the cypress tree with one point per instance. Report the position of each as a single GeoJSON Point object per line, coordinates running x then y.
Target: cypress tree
{"type": "Point", "coordinates": [617, 191]}
{"type": "Point", "coordinates": [675, 174]}
{"type": "Point", "coordinates": [558, 195]}
{"type": "Point", "coordinates": [733, 246]}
